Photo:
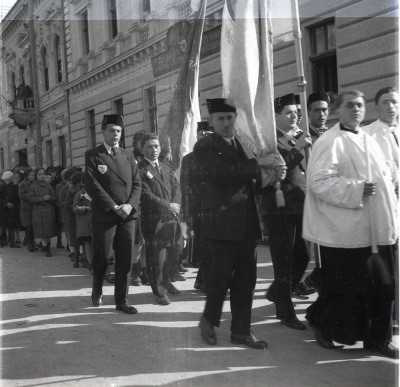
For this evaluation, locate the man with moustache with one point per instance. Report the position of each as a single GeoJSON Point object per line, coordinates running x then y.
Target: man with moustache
{"type": "Point", "coordinates": [113, 182]}
{"type": "Point", "coordinates": [230, 223]}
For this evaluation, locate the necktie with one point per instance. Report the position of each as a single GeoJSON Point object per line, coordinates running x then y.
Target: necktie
{"type": "Point", "coordinates": [392, 130]}
{"type": "Point", "coordinates": [233, 145]}
{"type": "Point", "coordinates": [114, 152]}
{"type": "Point", "coordinates": [157, 167]}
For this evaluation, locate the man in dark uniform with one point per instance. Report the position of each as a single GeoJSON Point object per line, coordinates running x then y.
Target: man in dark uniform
{"type": "Point", "coordinates": [113, 182]}
{"type": "Point", "coordinates": [230, 224]}
{"type": "Point", "coordinates": [318, 113]}
{"type": "Point", "coordinates": [191, 207]}
{"type": "Point", "coordinates": [288, 249]}
{"type": "Point", "coordinates": [161, 202]}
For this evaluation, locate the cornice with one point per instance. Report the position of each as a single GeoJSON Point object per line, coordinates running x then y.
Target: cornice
{"type": "Point", "coordinates": [154, 46]}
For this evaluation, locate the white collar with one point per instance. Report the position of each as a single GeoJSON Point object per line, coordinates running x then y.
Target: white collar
{"type": "Point", "coordinates": [108, 147]}
{"type": "Point", "coordinates": [229, 139]}
{"type": "Point", "coordinates": [386, 125]}
{"type": "Point", "coordinates": [153, 163]}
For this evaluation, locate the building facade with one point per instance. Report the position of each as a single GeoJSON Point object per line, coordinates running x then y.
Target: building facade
{"type": "Point", "coordinates": [113, 56]}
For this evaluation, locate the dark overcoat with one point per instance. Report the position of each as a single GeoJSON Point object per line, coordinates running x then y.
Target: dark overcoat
{"type": "Point", "coordinates": [227, 188]}
{"type": "Point", "coordinates": [43, 212]}
{"type": "Point", "coordinates": [159, 190]}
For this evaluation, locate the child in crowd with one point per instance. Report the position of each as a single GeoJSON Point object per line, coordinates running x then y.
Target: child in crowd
{"type": "Point", "coordinates": [82, 207]}
{"type": "Point", "coordinates": [76, 185]}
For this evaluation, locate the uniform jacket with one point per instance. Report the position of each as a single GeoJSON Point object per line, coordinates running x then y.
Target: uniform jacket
{"type": "Point", "coordinates": [111, 182]}
{"type": "Point", "coordinates": [158, 192]}
{"type": "Point", "coordinates": [336, 214]}
{"type": "Point", "coordinates": [227, 188]}
{"type": "Point", "coordinates": [294, 185]}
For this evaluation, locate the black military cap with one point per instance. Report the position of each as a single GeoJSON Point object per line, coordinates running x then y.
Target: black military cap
{"type": "Point", "coordinates": [203, 125]}
{"type": "Point", "coordinates": [297, 99]}
{"type": "Point", "coordinates": [219, 105]}
{"type": "Point", "coordinates": [318, 96]}
{"type": "Point", "coordinates": [113, 119]}
{"type": "Point", "coordinates": [288, 99]}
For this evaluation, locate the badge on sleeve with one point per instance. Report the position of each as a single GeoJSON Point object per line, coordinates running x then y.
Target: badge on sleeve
{"type": "Point", "coordinates": [102, 169]}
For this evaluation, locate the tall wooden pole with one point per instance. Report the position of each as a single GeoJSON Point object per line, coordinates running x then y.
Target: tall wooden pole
{"type": "Point", "coordinates": [301, 80]}
{"type": "Point", "coordinates": [35, 84]}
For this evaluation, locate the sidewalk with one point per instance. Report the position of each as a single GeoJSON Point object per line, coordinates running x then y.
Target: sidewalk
{"type": "Point", "coordinates": [53, 336]}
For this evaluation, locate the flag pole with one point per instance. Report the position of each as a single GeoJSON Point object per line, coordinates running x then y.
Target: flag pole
{"type": "Point", "coordinates": [301, 80]}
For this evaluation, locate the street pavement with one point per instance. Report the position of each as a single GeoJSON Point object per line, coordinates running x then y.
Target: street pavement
{"type": "Point", "coordinates": [52, 336]}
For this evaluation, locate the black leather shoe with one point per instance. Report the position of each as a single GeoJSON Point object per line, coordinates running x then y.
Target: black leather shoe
{"type": "Point", "coordinates": [248, 340]}
{"type": "Point", "coordinates": [126, 308]}
{"type": "Point", "coordinates": [97, 300]}
{"type": "Point", "coordinates": [170, 288]}
{"type": "Point", "coordinates": [178, 277]}
{"type": "Point", "coordinates": [323, 341]}
{"type": "Point", "coordinates": [207, 332]}
{"type": "Point", "coordinates": [163, 300]}
{"type": "Point", "coordinates": [302, 289]}
{"type": "Point", "coordinates": [293, 323]}
{"type": "Point", "coordinates": [386, 349]}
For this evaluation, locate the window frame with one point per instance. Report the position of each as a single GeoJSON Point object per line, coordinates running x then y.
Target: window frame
{"type": "Point", "coordinates": [91, 128]}
{"type": "Point", "coordinates": [324, 71]}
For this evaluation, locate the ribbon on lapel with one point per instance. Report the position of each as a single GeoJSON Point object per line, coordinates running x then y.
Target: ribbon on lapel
{"type": "Point", "coordinates": [110, 161]}
{"type": "Point", "coordinates": [156, 175]}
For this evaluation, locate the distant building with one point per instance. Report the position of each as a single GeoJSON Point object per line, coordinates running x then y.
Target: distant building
{"type": "Point", "coordinates": [113, 56]}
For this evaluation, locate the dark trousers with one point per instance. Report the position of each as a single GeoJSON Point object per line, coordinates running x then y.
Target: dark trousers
{"type": "Point", "coordinates": [355, 303]}
{"type": "Point", "coordinates": [233, 265]}
{"type": "Point", "coordinates": [109, 239]}
{"type": "Point", "coordinates": [289, 257]}
{"type": "Point", "coordinates": [156, 254]}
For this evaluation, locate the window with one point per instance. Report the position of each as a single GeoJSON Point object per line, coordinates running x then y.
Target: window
{"type": "Point", "coordinates": [113, 19]}
{"type": "Point", "coordinates": [85, 33]}
{"type": "Point", "coordinates": [62, 151]}
{"type": "Point", "coordinates": [58, 63]}
{"type": "Point", "coordinates": [22, 74]}
{"type": "Point", "coordinates": [146, 7]}
{"type": "Point", "coordinates": [323, 56]}
{"type": "Point", "coordinates": [45, 64]}
{"type": "Point", "coordinates": [49, 152]}
{"type": "Point", "coordinates": [13, 87]}
{"type": "Point", "coordinates": [91, 127]}
{"type": "Point", "coordinates": [2, 166]}
{"type": "Point", "coordinates": [150, 104]}
{"type": "Point", "coordinates": [22, 156]}
{"type": "Point", "coordinates": [118, 108]}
